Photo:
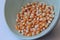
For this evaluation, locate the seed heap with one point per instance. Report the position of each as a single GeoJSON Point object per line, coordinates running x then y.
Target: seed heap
{"type": "Point", "coordinates": [34, 18]}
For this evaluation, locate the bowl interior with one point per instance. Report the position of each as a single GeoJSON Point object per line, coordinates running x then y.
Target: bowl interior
{"type": "Point", "coordinates": [12, 7]}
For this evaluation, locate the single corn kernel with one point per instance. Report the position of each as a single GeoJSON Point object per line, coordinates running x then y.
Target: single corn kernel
{"type": "Point", "coordinates": [37, 32]}
{"type": "Point", "coordinates": [43, 28]}
{"type": "Point", "coordinates": [17, 28]}
{"type": "Point", "coordinates": [29, 34]}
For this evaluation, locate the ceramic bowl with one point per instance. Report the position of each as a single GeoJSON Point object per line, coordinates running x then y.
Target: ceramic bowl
{"type": "Point", "coordinates": [12, 7]}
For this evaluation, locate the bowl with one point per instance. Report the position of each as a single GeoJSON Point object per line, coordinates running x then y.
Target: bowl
{"type": "Point", "coordinates": [12, 7]}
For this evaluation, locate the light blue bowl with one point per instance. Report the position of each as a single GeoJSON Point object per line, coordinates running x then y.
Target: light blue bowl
{"type": "Point", "coordinates": [12, 7]}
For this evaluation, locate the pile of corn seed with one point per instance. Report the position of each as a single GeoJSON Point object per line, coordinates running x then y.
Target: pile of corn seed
{"type": "Point", "coordinates": [34, 18]}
